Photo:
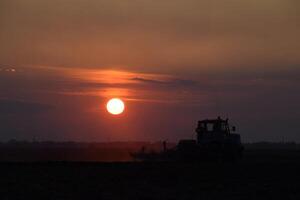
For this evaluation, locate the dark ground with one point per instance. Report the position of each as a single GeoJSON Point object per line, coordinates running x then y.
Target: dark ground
{"type": "Point", "coordinates": [260, 175]}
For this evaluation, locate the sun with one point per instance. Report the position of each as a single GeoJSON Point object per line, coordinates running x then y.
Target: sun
{"type": "Point", "coordinates": [115, 106]}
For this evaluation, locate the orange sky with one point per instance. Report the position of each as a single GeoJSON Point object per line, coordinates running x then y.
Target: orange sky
{"type": "Point", "coordinates": [167, 36]}
{"type": "Point", "coordinates": [173, 62]}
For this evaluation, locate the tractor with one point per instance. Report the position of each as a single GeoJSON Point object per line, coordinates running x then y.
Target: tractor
{"type": "Point", "coordinates": [215, 141]}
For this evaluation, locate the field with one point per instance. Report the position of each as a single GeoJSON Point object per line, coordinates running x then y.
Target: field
{"type": "Point", "coordinates": [260, 175]}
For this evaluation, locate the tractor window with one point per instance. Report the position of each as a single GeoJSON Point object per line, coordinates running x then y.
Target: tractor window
{"type": "Point", "coordinates": [223, 127]}
{"type": "Point", "coordinates": [202, 125]}
{"type": "Point", "coordinates": [210, 127]}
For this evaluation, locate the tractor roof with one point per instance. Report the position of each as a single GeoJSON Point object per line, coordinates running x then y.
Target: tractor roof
{"type": "Point", "coordinates": [213, 120]}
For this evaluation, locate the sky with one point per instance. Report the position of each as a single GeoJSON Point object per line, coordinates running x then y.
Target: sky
{"type": "Point", "coordinates": [172, 62]}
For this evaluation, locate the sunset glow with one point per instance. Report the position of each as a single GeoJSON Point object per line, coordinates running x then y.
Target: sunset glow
{"type": "Point", "coordinates": [170, 63]}
{"type": "Point", "coordinates": [115, 106]}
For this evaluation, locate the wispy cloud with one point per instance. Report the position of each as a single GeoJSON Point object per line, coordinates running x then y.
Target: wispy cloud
{"type": "Point", "coordinates": [10, 106]}
{"type": "Point", "coordinates": [170, 81]}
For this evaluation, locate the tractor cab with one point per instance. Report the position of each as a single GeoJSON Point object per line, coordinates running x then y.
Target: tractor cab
{"type": "Point", "coordinates": [213, 131]}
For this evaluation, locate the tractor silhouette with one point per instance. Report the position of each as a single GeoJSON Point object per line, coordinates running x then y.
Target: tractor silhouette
{"type": "Point", "coordinates": [215, 141]}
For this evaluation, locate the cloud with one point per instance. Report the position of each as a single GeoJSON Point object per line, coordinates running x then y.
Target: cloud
{"type": "Point", "coordinates": [172, 82]}
{"type": "Point", "coordinates": [8, 106]}
{"type": "Point", "coordinates": [148, 80]}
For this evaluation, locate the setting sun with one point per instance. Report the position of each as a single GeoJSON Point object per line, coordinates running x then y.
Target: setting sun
{"type": "Point", "coordinates": [115, 106]}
